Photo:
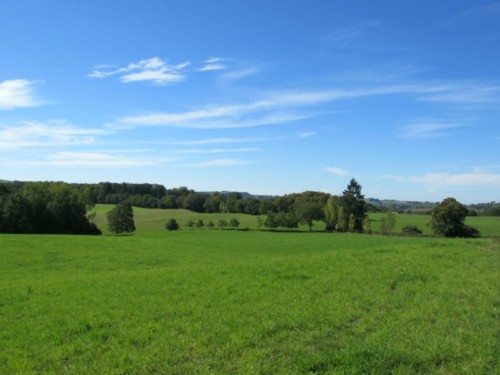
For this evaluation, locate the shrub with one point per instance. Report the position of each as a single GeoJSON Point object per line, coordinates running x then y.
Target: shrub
{"type": "Point", "coordinates": [234, 223]}
{"type": "Point", "coordinates": [172, 225]}
{"type": "Point", "coordinates": [411, 230]}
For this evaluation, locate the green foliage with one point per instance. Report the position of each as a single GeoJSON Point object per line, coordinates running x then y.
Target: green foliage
{"type": "Point", "coordinates": [354, 204]}
{"type": "Point", "coordinates": [222, 223]}
{"type": "Point", "coordinates": [342, 222]}
{"type": "Point", "coordinates": [448, 220]}
{"type": "Point", "coordinates": [121, 219]}
{"type": "Point", "coordinates": [199, 223]}
{"type": "Point", "coordinates": [234, 223]}
{"type": "Point", "coordinates": [368, 225]}
{"type": "Point", "coordinates": [352, 223]}
{"type": "Point", "coordinates": [308, 212]}
{"type": "Point", "coordinates": [332, 212]}
{"type": "Point", "coordinates": [494, 211]}
{"type": "Point", "coordinates": [43, 207]}
{"type": "Point", "coordinates": [281, 220]}
{"type": "Point", "coordinates": [172, 224]}
{"type": "Point", "coordinates": [411, 230]}
{"type": "Point", "coordinates": [388, 222]}
{"type": "Point", "coordinates": [210, 224]}
{"type": "Point", "coordinates": [190, 223]}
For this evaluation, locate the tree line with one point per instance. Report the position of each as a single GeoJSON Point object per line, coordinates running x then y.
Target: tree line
{"type": "Point", "coordinates": [57, 207]}
{"type": "Point", "coordinates": [45, 207]}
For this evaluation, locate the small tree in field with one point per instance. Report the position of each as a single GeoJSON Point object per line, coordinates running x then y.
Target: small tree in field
{"type": "Point", "coordinates": [448, 220]}
{"type": "Point", "coordinates": [172, 224]}
{"type": "Point", "coordinates": [388, 222]}
{"type": "Point", "coordinates": [222, 223]}
{"type": "Point", "coordinates": [234, 223]}
{"type": "Point", "coordinates": [121, 219]}
{"type": "Point", "coordinates": [308, 212]}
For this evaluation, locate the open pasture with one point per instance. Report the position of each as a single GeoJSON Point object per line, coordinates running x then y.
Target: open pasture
{"type": "Point", "coordinates": [226, 302]}
{"type": "Point", "coordinates": [153, 220]}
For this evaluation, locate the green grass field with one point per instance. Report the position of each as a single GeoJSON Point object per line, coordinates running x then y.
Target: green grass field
{"type": "Point", "coordinates": [153, 220]}
{"type": "Point", "coordinates": [247, 302]}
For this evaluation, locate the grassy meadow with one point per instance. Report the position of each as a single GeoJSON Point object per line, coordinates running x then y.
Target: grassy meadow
{"type": "Point", "coordinates": [247, 302]}
{"type": "Point", "coordinates": [153, 220]}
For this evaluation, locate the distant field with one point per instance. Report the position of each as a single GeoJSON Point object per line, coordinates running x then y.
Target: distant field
{"type": "Point", "coordinates": [153, 220]}
{"type": "Point", "coordinates": [487, 225]}
{"type": "Point", "coordinates": [233, 302]}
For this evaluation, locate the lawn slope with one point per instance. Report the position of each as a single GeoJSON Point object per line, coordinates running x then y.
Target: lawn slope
{"type": "Point", "coordinates": [228, 302]}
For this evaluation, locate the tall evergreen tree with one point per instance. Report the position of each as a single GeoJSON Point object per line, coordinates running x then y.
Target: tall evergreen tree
{"type": "Point", "coordinates": [354, 204]}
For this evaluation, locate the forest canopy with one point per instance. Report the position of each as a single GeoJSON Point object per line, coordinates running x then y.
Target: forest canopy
{"type": "Point", "coordinates": [45, 207]}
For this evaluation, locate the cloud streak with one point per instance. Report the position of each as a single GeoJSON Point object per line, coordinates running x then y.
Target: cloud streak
{"type": "Point", "coordinates": [154, 70]}
{"type": "Point", "coordinates": [426, 130]}
{"type": "Point", "coordinates": [97, 160]}
{"type": "Point", "coordinates": [443, 179]}
{"type": "Point", "coordinates": [274, 108]}
{"type": "Point", "coordinates": [84, 159]}
{"type": "Point", "coordinates": [216, 163]}
{"type": "Point", "coordinates": [17, 93]}
{"type": "Point", "coordinates": [52, 133]}
{"type": "Point", "coordinates": [336, 170]}
{"type": "Point", "coordinates": [213, 64]}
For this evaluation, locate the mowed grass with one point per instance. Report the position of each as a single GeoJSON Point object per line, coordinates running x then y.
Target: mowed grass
{"type": "Point", "coordinates": [237, 302]}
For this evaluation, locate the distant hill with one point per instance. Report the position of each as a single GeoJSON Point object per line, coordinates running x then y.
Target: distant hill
{"type": "Point", "coordinates": [246, 195]}
{"type": "Point", "coordinates": [402, 206]}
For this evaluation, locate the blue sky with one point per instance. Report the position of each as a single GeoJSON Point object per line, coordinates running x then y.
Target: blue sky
{"type": "Point", "coordinates": [269, 97]}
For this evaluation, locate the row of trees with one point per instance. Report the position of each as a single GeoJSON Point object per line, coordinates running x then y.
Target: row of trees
{"type": "Point", "coordinates": [234, 223]}
{"type": "Point", "coordinates": [43, 207]}
{"type": "Point", "coordinates": [56, 207]}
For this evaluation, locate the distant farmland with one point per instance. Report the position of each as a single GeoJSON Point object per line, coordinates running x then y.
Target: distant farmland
{"type": "Point", "coordinates": [152, 220]}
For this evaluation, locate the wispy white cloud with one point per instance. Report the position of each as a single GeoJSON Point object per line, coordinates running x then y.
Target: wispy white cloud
{"type": "Point", "coordinates": [307, 134]}
{"type": "Point", "coordinates": [274, 108]}
{"type": "Point", "coordinates": [84, 159]}
{"type": "Point", "coordinates": [216, 150]}
{"type": "Point", "coordinates": [98, 160]}
{"type": "Point", "coordinates": [222, 163]}
{"type": "Point", "coordinates": [209, 141]}
{"type": "Point", "coordinates": [154, 70]}
{"type": "Point", "coordinates": [213, 63]}
{"type": "Point", "coordinates": [52, 133]}
{"type": "Point", "coordinates": [444, 179]}
{"type": "Point", "coordinates": [467, 94]}
{"type": "Point", "coordinates": [17, 93]}
{"type": "Point", "coordinates": [239, 74]}
{"type": "Point", "coordinates": [336, 170]}
{"type": "Point", "coordinates": [350, 36]}
{"type": "Point", "coordinates": [489, 10]}
{"type": "Point", "coordinates": [427, 129]}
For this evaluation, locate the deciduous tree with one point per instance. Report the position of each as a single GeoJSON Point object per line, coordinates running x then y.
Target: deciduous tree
{"type": "Point", "coordinates": [121, 219]}
{"type": "Point", "coordinates": [448, 220]}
